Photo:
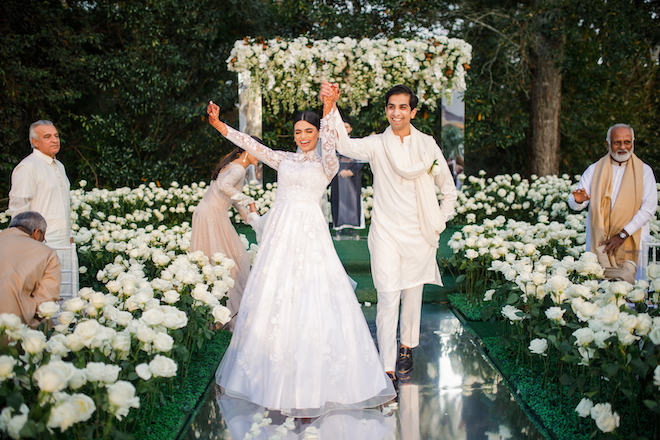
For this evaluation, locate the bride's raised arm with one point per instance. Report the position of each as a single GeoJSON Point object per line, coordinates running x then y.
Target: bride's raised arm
{"type": "Point", "coordinates": [329, 134]}
{"type": "Point", "coordinates": [270, 157]}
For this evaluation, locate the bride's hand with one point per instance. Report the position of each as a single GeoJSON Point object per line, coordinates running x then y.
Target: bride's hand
{"type": "Point", "coordinates": [214, 118]}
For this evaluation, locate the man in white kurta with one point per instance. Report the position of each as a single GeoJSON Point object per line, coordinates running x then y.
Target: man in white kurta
{"type": "Point", "coordinates": [39, 183]}
{"type": "Point", "coordinates": [620, 140]}
{"type": "Point", "coordinates": [406, 220]}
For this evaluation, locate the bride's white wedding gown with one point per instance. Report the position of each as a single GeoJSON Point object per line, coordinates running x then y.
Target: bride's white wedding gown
{"type": "Point", "coordinates": [301, 344]}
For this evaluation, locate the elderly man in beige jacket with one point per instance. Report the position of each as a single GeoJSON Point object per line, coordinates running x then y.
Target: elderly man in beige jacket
{"type": "Point", "coordinates": [29, 270]}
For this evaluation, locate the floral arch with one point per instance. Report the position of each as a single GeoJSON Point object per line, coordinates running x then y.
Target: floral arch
{"type": "Point", "coordinates": [286, 74]}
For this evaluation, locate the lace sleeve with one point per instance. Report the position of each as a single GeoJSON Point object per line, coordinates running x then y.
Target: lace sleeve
{"type": "Point", "coordinates": [270, 157]}
{"type": "Point", "coordinates": [328, 145]}
{"type": "Point", "coordinates": [227, 183]}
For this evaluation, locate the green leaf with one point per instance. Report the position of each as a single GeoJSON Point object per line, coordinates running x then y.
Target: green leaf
{"type": "Point", "coordinates": [611, 369]}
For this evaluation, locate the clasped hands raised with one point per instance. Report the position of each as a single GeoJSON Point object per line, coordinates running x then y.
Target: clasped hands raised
{"type": "Point", "coordinates": [329, 94]}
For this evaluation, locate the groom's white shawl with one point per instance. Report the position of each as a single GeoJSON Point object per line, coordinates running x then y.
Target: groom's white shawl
{"type": "Point", "coordinates": [406, 217]}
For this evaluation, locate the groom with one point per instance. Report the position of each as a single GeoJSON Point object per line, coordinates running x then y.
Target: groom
{"type": "Point", "coordinates": [406, 221]}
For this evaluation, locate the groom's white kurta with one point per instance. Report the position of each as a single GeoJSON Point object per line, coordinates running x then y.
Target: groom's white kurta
{"type": "Point", "coordinates": [401, 257]}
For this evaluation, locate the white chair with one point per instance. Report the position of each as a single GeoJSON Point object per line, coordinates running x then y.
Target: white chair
{"type": "Point", "coordinates": [69, 261]}
{"type": "Point", "coordinates": [650, 255]}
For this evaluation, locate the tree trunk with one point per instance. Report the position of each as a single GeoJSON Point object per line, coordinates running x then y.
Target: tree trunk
{"type": "Point", "coordinates": [546, 104]}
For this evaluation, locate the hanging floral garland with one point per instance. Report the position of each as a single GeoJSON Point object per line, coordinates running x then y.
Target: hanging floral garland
{"type": "Point", "coordinates": [288, 72]}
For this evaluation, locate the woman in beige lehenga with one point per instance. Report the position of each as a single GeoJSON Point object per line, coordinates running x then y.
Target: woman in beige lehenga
{"type": "Point", "coordinates": [212, 230]}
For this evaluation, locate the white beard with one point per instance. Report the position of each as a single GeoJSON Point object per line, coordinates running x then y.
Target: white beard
{"type": "Point", "coordinates": [621, 157]}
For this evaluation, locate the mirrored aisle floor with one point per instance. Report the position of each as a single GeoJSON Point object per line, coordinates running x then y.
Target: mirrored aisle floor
{"type": "Point", "coordinates": [453, 394]}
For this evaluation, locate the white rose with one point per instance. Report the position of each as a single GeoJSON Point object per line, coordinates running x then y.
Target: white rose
{"type": "Point", "coordinates": [121, 341]}
{"type": "Point", "coordinates": [77, 378]}
{"type": "Point", "coordinates": [559, 283]}
{"type": "Point", "coordinates": [145, 333]}
{"type": "Point", "coordinates": [605, 419]}
{"type": "Point", "coordinates": [175, 319]}
{"type": "Point", "coordinates": [221, 314]}
{"type": "Point", "coordinates": [512, 313]}
{"type": "Point", "coordinates": [57, 345]}
{"type": "Point", "coordinates": [121, 396]}
{"type": "Point", "coordinates": [489, 294]}
{"type": "Point", "coordinates": [87, 330]}
{"type": "Point", "coordinates": [653, 271]}
{"type": "Point", "coordinates": [619, 287]}
{"type": "Point", "coordinates": [17, 422]}
{"type": "Point", "coordinates": [556, 314]}
{"type": "Point", "coordinates": [74, 342]}
{"type": "Point", "coordinates": [65, 318]}
{"type": "Point", "coordinates": [123, 318]}
{"type": "Point", "coordinates": [583, 336]}
{"type": "Point", "coordinates": [538, 278]}
{"type": "Point", "coordinates": [625, 337]}
{"type": "Point", "coordinates": [636, 295]}
{"type": "Point", "coordinates": [48, 309]}
{"type": "Point", "coordinates": [171, 296]}
{"type": "Point", "coordinates": [98, 300]}
{"type": "Point", "coordinates": [10, 321]}
{"type": "Point", "coordinates": [152, 317]}
{"type": "Point", "coordinates": [52, 377]}
{"type": "Point", "coordinates": [162, 366]}
{"type": "Point", "coordinates": [143, 371]}
{"type": "Point", "coordinates": [62, 415]}
{"type": "Point", "coordinates": [600, 337]}
{"type": "Point", "coordinates": [33, 341]}
{"type": "Point", "coordinates": [7, 364]}
{"type": "Point", "coordinates": [538, 346]}
{"type": "Point", "coordinates": [74, 304]}
{"type": "Point", "coordinates": [627, 322]}
{"type": "Point", "coordinates": [471, 254]}
{"type": "Point", "coordinates": [100, 372]}
{"type": "Point", "coordinates": [608, 314]}
{"type": "Point", "coordinates": [163, 342]}
{"type": "Point", "coordinates": [84, 406]}
{"type": "Point", "coordinates": [584, 407]}
{"type": "Point", "coordinates": [656, 376]}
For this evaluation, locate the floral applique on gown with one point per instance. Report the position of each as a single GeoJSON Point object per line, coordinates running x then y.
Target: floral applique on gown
{"type": "Point", "coordinates": [212, 230]}
{"type": "Point", "coordinates": [301, 344]}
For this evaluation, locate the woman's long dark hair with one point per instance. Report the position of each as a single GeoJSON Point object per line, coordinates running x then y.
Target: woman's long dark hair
{"type": "Point", "coordinates": [308, 116]}
{"type": "Point", "coordinates": [230, 157]}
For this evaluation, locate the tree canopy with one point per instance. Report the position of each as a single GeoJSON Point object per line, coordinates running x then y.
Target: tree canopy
{"type": "Point", "coordinates": [126, 82]}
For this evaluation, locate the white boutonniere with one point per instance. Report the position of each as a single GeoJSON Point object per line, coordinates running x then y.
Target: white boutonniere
{"type": "Point", "coordinates": [431, 170]}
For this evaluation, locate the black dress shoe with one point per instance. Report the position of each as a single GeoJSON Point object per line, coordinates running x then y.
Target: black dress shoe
{"type": "Point", "coordinates": [405, 362]}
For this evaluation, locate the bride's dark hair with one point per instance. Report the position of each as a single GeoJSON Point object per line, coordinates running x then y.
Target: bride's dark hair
{"type": "Point", "coordinates": [229, 157]}
{"type": "Point", "coordinates": [308, 116]}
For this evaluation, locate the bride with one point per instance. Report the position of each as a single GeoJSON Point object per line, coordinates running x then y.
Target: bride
{"type": "Point", "coordinates": [301, 344]}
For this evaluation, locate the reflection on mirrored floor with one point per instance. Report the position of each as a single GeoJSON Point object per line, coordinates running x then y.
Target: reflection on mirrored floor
{"type": "Point", "coordinates": [452, 393]}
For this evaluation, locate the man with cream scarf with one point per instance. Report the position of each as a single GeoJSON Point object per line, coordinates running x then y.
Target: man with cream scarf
{"type": "Point", "coordinates": [406, 219]}
{"type": "Point", "coordinates": [621, 193]}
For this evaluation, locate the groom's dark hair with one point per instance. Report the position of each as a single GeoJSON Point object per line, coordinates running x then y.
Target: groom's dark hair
{"type": "Point", "coordinates": [400, 89]}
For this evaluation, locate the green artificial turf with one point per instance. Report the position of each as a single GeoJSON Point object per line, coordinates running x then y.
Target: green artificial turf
{"type": "Point", "coordinates": [553, 404]}
{"type": "Point", "coordinates": [460, 304]}
{"type": "Point", "coordinates": [170, 418]}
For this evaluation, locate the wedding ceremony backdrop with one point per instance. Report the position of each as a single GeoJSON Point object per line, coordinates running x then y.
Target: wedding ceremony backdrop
{"type": "Point", "coordinates": [127, 83]}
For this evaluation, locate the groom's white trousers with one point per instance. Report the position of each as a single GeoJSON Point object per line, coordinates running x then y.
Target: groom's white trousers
{"type": "Point", "coordinates": [387, 320]}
